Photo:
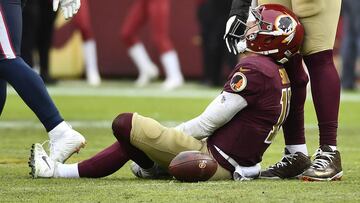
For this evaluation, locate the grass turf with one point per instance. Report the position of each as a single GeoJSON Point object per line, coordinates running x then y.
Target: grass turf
{"type": "Point", "coordinates": [15, 140]}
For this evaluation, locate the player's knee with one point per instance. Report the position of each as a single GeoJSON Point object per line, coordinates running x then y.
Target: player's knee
{"type": "Point", "coordinates": [163, 45]}
{"type": "Point", "coordinates": [127, 37]}
{"type": "Point", "coordinates": [121, 126]}
{"type": "Point", "coordinates": [297, 75]}
{"type": "Point", "coordinates": [301, 80]}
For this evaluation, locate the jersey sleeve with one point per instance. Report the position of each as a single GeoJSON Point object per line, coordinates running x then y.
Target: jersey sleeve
{"type": "Point", "coordinates": [248, 83]}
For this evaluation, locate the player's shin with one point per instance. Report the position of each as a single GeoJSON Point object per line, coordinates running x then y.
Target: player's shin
{"type": "Point", "coordinates": [294, 125]}
{"type": "Point", "coordinates": [326, 95]}
{"type": "Point", "coordinates": [104, 163]}
{"type": "Point", "coordinates": [32, 90]}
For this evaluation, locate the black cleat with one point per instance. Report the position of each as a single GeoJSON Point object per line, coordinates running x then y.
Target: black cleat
{"type": "Point", "coordinates": [325, 167]}
{"type": "Point", "coordinates": [290, 166]}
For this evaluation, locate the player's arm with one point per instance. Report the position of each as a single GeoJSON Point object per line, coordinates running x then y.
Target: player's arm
{"type": "Point", "coordinates": [220, 111]}
{"type": "Point", "coordinates": [68, 7]}
{"type": "Point", "coordinates": [235, 26]}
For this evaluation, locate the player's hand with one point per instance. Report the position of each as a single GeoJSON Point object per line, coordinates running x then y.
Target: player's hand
{"type": "Point", "coordinates": [69, 7]}
{"type": "Point", "coordinates": [234, 29]}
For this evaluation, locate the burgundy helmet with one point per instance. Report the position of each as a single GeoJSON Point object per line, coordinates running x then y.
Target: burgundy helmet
{"type": "Point", "coordinates": [279, 35]}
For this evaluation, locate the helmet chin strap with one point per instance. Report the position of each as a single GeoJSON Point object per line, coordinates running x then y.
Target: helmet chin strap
{"type": "Point", "coordinates": [241, 47]}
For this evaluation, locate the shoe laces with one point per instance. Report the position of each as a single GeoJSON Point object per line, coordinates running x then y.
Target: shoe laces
{"type": "Point", "coordinates": [322, 159]}
{"type": "Point", "coordinates": [47, 142]}
{"type": "Point", "coordinates": [287, 159]}
{"type": "Point", "coordinates": [52, 146]}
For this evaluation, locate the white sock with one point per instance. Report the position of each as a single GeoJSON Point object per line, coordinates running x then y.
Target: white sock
{"type": "Point", "coordinates": [297, 148]}
{"type": "Point", "coordinates": [91, 65]}
{"type": "Point", "coordinates": [333, 147]}
{"type": "Point", "coordinates": [59, 130]}
{"type": "Point", "coordinates": [66, 171]}
{"type": "Point", "coordinates": [170, 61]}
{"type": "Point", "coordinates": [140, 57]}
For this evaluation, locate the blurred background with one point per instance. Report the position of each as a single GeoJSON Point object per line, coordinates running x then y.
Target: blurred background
{"type": "Point", "coordinates": [196, 28]}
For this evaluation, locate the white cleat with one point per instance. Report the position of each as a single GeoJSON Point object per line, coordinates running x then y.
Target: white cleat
{"type": "Point", "coordinates": [170, 84]}
{"type": "Point", "coordinates": [146, 76]}
{"type": "Point", "coordinates": [65, 143]}
{"type": "Point", "coordinates": [94, 80]}
{"type": "Point", "coordinates": [40, 163]}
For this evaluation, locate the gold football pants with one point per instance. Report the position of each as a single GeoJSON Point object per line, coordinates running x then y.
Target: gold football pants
{"type": "Point", "coordinates": [162, 144]}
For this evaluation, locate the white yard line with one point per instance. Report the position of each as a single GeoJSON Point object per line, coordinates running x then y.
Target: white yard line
{"type": "Point", "coordinates": [22, 124]}
{"type": "Point", "coordinates": [189, 91]}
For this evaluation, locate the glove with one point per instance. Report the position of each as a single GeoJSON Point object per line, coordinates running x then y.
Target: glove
{"type": "Point", "coordinates": [68, 7]}
{"type": "Point", "coordinates": [234, 30]}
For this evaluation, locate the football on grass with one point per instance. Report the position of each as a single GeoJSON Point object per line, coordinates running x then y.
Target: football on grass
{"type": "Point", "coordinates": [192, 166]}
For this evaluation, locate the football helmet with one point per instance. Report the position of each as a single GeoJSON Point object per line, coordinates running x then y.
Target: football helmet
{"type": "Point", "coordinates": [275, 31]}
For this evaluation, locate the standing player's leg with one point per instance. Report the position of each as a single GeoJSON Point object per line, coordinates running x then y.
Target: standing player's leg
{"type": "Point", "coordinates": [82, 21]}
{"type": "Point", "coordinates": [44, 38]}
{"type": "Point", "coordinates": [31, 22]}
{"type": "Point", "coordinates": [2, 94]}
{"type": "Point", "coordinates": [320, 23]}
{"type": "Point", "coordinates": [295, 159]}
{"type": "Point", "coordinates": [159, 16]}
{"type": "Point", "coordinates": [30, 87]}
{"type": "Point", "coordinates": [135, 19]}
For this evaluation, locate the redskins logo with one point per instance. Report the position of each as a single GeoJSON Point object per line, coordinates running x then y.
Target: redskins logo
{"type": "Point", "coordinates": [202, 164]}
{"type": "Point", "coordinates": [238, 82]}
{"type": "Point", "coordinates": [285, 23]}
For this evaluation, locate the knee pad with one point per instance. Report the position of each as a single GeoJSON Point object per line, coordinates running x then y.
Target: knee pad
{"type": "Point", "coordinates": [121, 126]}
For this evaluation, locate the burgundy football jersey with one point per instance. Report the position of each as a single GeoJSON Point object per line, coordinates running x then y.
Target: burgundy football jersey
{"type": "Point", "coordinates": [266, 88]}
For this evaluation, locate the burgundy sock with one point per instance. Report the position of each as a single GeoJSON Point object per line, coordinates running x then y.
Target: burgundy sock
{"type": "Point", "coordinates": [325, 88]}
{"type": "Point", "coordinates": [294, 124]}
{"type": "Point", "coordinates": [121, 129]}
{"type": "Point", "coordinates": [104, 163]}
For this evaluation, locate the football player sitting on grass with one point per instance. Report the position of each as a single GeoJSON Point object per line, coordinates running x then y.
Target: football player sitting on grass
{"type": "Point", "coordinates": [235, 129]}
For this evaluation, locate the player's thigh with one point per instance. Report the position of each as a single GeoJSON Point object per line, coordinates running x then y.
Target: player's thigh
{"type": "Point", "coordinates": [320, 19]}
{"type": "Point", "coordinates": [286, 3]}
{"type": "Point", "coordinates": [10, 28]}
{"type": "Point", "coordinates": [159, 17]}
{"type": "Point", "coordinates": [82, 21]}
{"type": "Point", "coordinates": [160, 143]}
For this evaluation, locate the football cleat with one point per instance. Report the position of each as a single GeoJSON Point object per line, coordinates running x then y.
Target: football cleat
{"type": "Point", "coordinates": [65, 144]}
{"type": "Point", "coordinates": [146, 76]}
{"type": "Point", "coordinates": [290, 166]}
{"type": "Point", "coordinates": [40, 163]}
{"type": "Point", "coordinates": [156, 172]}
{"type": "Point", "coordinates": [173, 83]}
{"type": "Point", "coordinates": [326, 166]}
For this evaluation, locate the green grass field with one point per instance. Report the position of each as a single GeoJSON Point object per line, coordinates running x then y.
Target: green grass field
{"type": "Point", "coordinates": [91, 111]}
